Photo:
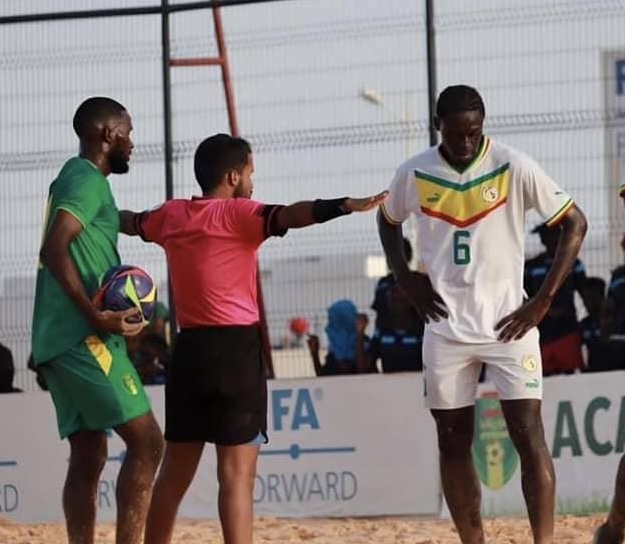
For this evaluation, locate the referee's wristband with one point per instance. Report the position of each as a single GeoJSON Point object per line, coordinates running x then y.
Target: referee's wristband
{"type": "Point", "coordinates": [324, 210]}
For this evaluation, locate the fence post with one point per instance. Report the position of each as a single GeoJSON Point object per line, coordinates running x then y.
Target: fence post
{"type": "Point", "coordinates": [167, 135]}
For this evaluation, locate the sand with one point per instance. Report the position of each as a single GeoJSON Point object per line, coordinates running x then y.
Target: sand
{"type": "Point", "coordinates": [569, 530]}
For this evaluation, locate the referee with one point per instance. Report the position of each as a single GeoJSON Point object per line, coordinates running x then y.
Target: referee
{"type": "Point", "coordinates": [216, 389]}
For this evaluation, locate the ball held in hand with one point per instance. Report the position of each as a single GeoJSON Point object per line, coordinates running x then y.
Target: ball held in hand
{"type": "Point", "coordinates": [124, 287]}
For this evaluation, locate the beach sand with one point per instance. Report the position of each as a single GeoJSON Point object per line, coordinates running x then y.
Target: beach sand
{"type": "Point", "coordinates": [569, 530]}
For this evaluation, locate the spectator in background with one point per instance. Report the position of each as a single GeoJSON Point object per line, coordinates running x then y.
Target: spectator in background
{"type": "Point", "coordinates": [616, 296]}
{"type": "Point", "coordinates": [159, 324]}
{"type": "Point", "coordinates": [398, 336]}
{"type": "Point", "coordinates": [7, 371]}
{"type": "Point", "coordinates": [398, 345]}
{"type": "Point", "coordinates": [151, 359]}
{"type": "Point", "coordinates": [347, 342]}
{"type": "Point", "coordinates": [364, 345]}
{"type": "Point", "coordinates": [380, 303]}
{"type": "Point", "coordinates": [613, 319]}
{"type": "Point", "coordinates": [149, 350]}
{"type": "Point", "coordinates": [560, 339]}
{"type": "Point", "coordinates": [591, 325]}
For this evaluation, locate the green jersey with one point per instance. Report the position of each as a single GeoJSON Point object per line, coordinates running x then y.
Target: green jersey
{"type": "Point", "coordinates": [82, 190]}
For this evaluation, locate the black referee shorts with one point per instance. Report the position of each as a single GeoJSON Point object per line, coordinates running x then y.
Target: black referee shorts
{"type": "Point", "coordinates": [216, 388]}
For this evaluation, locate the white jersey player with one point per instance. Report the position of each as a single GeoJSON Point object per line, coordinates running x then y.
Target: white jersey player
{"type": "Point", "coordinates": [470, 195]}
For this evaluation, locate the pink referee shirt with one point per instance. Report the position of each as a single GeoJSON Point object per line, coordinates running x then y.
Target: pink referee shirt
{"type": "Point", "coordinates": [211, 246]}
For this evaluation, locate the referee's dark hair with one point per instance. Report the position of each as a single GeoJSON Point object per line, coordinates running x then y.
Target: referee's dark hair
{"type": "Point", "coordinates": [216, 156]}
{"type": "Point", "coordinates": [459, 98]}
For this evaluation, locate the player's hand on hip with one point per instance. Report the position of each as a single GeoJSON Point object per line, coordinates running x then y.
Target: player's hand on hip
{"type": "Point", "coordinates": [516, 325]}
{"type": "Point", "coordinates": [126, 322]}
{"type": "Point", "coordinates": [365, 204]}
{"type": "Point", "coordinates": [429, 305]}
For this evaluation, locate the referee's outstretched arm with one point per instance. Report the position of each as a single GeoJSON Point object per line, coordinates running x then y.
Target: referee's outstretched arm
{"type": "Point", "coordinates": [309, 212]}
{"type": "Point", "coordinates": [294, 216]}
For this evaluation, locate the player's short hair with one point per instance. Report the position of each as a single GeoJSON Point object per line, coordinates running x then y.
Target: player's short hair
{"type": "Point", "coordinates": [216, 156]}
{"type": "Point", "coordinates": [95, 110]}
{"type": "Point", "coordinates": [458, 98]}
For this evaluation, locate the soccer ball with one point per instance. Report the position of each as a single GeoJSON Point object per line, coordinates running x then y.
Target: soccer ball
{"type": "Point", "coordinates": [124, 287]}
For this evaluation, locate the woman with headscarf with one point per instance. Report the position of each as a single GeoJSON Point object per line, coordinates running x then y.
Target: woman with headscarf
{"type": "Point", "coordinates": [346, 342]}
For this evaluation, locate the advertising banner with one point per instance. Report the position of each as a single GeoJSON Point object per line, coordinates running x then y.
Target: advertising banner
{"type": "Point", "coordinates": [584, 417]}
{"type": "Point", "coordinates": [344, 446]}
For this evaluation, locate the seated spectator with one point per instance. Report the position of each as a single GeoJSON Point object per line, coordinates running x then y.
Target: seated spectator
{"type": "Point", "coordinates": [380, 303]}
{"type": "Point", "coordinates": [7, 371]}
{"type": "Point", "coordinates": [612, 355]}
{"type": "Point", "coordinates": [398, 336]}
{"type": "Point", "coordinates": [151, 357]}
{"type": "Point", "coordinates": [399, 344]}
{"type": "Point", "coordinates": [347, 342]}
{"type": "Point", "coordinates": [590, 326]}
{"type": "Point", "coordinates": [560, 339]}
{"type": "Point", "coordinates": [616, 294]}
{"type": "Point", "coordinates": [364, 343]}
{"type": "Point", "coordinates": [604, 328]}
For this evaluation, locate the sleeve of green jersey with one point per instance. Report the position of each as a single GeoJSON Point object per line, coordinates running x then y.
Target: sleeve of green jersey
{"type": "Point", "coordinates": [81, 195]}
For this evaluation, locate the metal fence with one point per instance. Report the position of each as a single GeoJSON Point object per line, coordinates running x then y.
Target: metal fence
{"type": "Point", "coordinates": [333, 95]}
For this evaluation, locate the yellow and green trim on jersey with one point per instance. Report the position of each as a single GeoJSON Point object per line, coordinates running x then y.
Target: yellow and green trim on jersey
{"type": "Point", "coordinates": [463, 204]}
{"type": "Point", "coordinates": [555, 218]}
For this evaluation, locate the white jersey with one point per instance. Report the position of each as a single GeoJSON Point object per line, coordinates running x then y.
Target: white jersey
{"type": "Point", "coordinates": [471, 230]}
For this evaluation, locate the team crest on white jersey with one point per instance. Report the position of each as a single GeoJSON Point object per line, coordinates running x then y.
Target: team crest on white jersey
{"type": "Point", "coordinates": [490, 193]}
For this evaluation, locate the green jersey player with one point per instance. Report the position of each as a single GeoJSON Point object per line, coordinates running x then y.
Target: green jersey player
{"type": "Point", "coordinates": [80, 351]}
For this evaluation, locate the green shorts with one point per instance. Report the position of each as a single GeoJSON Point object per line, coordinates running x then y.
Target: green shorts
{"type": "Point", "coordinates": [95, 386]}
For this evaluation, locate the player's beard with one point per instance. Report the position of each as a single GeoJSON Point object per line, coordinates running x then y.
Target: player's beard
{"type": "Point", "coordinates": [118, 162]}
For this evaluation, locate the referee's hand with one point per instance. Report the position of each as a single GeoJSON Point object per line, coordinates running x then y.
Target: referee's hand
{"type": "Point", "coordinates": [365, 204]}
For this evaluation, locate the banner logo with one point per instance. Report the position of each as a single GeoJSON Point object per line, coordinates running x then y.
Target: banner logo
{"type": "Point", "coordinates": [494, 455]}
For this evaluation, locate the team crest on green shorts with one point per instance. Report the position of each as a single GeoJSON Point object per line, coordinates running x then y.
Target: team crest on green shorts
{"type": "Point", "coordinates": [130, 384]}
{"type": "Point", "coordinates": [494, 456]}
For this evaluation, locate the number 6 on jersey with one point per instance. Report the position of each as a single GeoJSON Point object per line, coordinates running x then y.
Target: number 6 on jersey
{"type": "Point", "coordinates": [462, 250]}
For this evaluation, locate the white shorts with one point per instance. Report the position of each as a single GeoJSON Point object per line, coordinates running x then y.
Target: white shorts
{"type": "Point", "coordinates": [451, 370]}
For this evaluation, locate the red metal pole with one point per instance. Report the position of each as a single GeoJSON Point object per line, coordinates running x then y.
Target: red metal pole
{"type": "Point", "coordinates": [225, 72]}
{"type": "Point", "coordinates": [234, 130]}
{"type": "Point", "coordinates": [200, 61]}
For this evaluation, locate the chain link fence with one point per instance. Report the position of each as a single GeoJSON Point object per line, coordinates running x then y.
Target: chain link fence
{"type": "Point", "coordinates": [333, 96]}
